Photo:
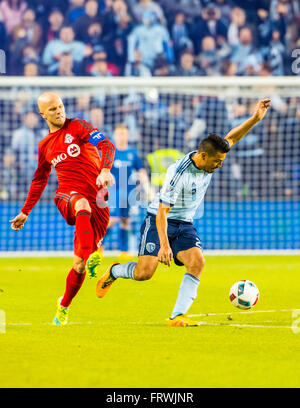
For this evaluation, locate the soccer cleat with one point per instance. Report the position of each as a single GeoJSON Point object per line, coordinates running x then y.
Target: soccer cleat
{"type": "Point", "coordinates": [105, 282]}
{"type": "Point", "coordinates": [92, 264]}
{"type": "Point", "coordinates": [62, 314]}
{"type": "Point", "coordinates": [182, 321]}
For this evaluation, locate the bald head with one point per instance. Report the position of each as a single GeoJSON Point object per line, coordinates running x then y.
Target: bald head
{"type": "Point", "coordinates": [47, 99]}
{"type": "Point", "coordinates": [52, 110]}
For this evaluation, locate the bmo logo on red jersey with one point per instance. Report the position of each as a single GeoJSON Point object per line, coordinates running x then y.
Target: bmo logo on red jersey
{"type": "Point", "coordinates": [73, 151]}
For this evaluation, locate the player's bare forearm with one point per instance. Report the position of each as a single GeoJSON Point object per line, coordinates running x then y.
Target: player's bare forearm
{"type": "Point", "coordinates": [162, 225]}
{"type": "Point", "coordinates": [240, 131]}
{"type": "Point", "coordinates": [165, 253]}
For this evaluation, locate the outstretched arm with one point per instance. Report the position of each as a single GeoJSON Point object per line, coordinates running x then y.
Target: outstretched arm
{"type": "Point", "coordinates": [37, 187]}
{"type": "Point", "coordinates": [239, 132]}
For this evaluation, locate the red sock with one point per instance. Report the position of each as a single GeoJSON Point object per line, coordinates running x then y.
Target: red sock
{"type": "Point", "coordinates": [74, 282]}
{"type": "Point", "coordinates": [85, 233]}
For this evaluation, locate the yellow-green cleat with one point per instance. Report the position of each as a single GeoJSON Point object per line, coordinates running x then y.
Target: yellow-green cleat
{"type": "Point", "coordinates": [93, 263]}
{"type": "Point", "coordinates": [62, 314]}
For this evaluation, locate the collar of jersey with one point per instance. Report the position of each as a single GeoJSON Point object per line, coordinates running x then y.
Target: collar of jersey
{"type": "Point", "coordinates": [58, 130]}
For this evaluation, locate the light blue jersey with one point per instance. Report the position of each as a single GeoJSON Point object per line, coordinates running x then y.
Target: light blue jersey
{"type": "Point", "coordinates": [184, 190]}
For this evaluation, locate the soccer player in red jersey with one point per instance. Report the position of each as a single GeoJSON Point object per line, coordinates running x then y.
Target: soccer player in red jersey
{"type": "Point", "coordinates": [71, 148]}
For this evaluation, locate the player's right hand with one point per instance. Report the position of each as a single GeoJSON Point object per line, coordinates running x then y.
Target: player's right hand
{"type": "Point", "coordinates": [105, 178]}
{"type": "Point", "coordinates": [165, 255]}
{"type": "Point", "coordinates": [18, 222]}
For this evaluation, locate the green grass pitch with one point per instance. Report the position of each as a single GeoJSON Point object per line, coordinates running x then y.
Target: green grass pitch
{"type": "Point", "coordinates": [122, 340]}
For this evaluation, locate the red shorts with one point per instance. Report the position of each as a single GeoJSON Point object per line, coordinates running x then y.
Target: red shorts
{"type": "Point", "coordinates": [65, 202]}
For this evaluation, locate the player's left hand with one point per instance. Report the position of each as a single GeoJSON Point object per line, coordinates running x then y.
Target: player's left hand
{"type": "Point", "coordinates": [261, 109]}
{"type": "Point", "coordinates": [105, 178]}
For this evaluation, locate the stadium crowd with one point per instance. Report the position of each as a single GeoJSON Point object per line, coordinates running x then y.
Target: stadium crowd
{"type": "Point", "coordinates": [146, 37]}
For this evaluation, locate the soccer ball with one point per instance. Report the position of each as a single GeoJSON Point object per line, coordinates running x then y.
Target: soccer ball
{"type": "Point", "coordinates": [244, 294]}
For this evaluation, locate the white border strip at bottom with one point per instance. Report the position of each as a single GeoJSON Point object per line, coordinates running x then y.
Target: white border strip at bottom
{"type": "Point", "coordinates": [217, 252]}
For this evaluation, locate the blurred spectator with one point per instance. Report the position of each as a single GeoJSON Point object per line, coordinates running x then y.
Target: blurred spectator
{"type": "Point", "coordinates": [99, 66]}
{"type": "Point", "coordinates": [91, 15]}
{"type": "Point", "coordinates": [237, 21]}
{"type": "Point", "coordinates": [22, 155]}
{"type": "Point", "coordinates": [265, 69]}
{"type": "Point", "coordinates": [22, 52]}
{"type": "Point", "coordinates": [143, 6]}
{"type": "Point", "coordinates": [137, 68]}
{"type": "Point", "coordinates": [179, 32]}
{"type": "Point", "coordinates": [162, 67]}
{"type": "Point", "coordinates": [30, 54]}
{"type": "Point", "coordinates": [172, 127]}
{"type": "Point", "coordinates": [3, 39]}
{"type": "Point", "coordinates": [12, 12]}
{"type": "Point", "coordinates": [264, 27]}
{"type": "Point", "coordinates": [187, 67]}
{"type": "Point", "coordinates": [76, 10]}
{"type": "Point", "coordinates": [282, 10]}
{"type": "Point", "coordinates": [150, 111]}
{"type": "Point", "coordinates": [276, 54]}
{"type": "Point", "coordinates": [31, 69]}
{"type": "Point", "coordinates": [213, 112]}
{"type": "Point", "coordinates": [151, 39]}
{"type": "Point", "coordinates": [55, 20]}
{"type": "Point", "coordinates": [16, 47]}
{"type": "Point", "coordinates": [65, 44]}
{"type": "Point", "coordinates": [208, 57]}
{"type": "Point", "coordinates": [227, 68]}
{"type": "Point", "coordinates": [66, 65]}
{"type": "Point", "coordinates": [248, 153]}
{"type": "Point", "coordinates": [245, 55]}
{"type": "Point", "coordinates": [120, 41]}
{"type": "Point", "coordinates": [93, 35]}
{"type": "Point", "coordinates": [225, 7]}
{"type": "Point", "coordinates": [96, 118]}
{"type": "Point", "coordinates": [192, 8]}
{"type": "Point", "coordinates": [209, 24]}
{"type": "Point", "coordinates": [32, 30]}
{"type": "Point", "coordinates": [82, 106]}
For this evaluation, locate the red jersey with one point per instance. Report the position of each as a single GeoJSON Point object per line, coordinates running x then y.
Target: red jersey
{"type": "Point", "coordinates": [73, 152]}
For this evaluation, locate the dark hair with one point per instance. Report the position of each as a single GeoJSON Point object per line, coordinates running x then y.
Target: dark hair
{"type": "Point", "coordinates": [67, 26]}
{"type": "Point", "coordinates": [212, 144]}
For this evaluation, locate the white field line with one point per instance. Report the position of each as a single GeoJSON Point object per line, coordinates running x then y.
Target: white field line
{"type": "Point", "coordinates": [244, 325]}
{"type": "Point", "coordinates": [242, 312]}
{"type": "Point", "coordinates": [203, 323]}
{"type": "Point", "coordinates": [153, 324]}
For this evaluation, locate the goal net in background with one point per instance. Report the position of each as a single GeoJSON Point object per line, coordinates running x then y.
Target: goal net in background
{"type": "Point", "coordinates": [252, 202]}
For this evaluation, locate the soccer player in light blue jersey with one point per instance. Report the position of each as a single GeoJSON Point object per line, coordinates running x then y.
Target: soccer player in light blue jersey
{"type": "Point", "coordinates": [168, 232]}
